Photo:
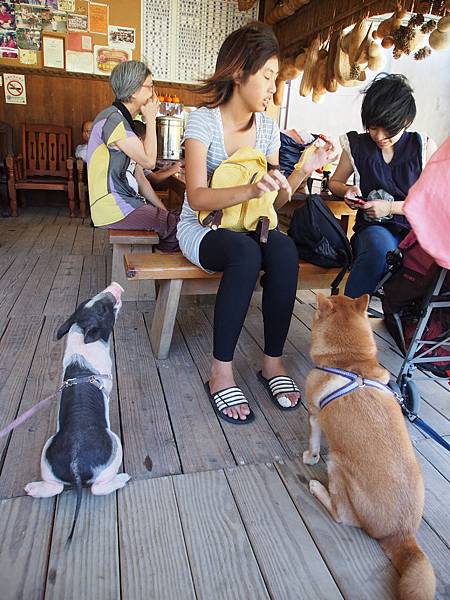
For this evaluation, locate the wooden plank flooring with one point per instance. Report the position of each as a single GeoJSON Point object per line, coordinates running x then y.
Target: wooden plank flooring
{"type": "Point", "coordinates": [212, 510]}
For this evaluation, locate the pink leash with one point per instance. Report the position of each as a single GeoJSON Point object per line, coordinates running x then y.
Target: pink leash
{"type": "Point", "coordinates": [34, 409]}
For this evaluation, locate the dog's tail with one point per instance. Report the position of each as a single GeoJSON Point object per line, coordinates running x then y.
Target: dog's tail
{"type": "Point", "coordinates": [78, 487]}
{"type": "Point", "coordinates": [417, 580]}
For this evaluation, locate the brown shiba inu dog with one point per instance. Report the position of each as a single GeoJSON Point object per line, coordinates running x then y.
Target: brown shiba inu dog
{"type": "Point", "coordinates": [375, 480]}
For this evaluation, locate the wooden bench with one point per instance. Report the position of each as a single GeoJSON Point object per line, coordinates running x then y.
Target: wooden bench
{"type": "Point", "coordinates": [129, 242]}
{"type": "Point", "coordinates": [177, 276]}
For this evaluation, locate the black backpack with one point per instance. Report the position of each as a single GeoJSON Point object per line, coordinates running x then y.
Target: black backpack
{"type": "Point", "coordinates": [319, 238]}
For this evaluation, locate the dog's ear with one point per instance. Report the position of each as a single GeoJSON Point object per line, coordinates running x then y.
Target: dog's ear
{"type": "Point", "coordinates": [65, 327]}
{"type": "Point", "coordinates": [362, 303]}
{"type": "Point", "coordinates": [324, 305]}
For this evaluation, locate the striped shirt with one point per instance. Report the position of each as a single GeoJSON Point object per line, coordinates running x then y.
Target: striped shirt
{"type": "Point", "coordinates": [111, 196]}
{"type": "Point", "coordinates": [205, 125]}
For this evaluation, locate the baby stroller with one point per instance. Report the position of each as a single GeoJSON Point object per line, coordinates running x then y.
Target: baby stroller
{"type": "Point", "coordinates": [415, 295]}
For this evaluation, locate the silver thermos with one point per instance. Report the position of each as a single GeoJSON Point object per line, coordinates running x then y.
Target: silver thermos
{"type": "Point", "coordinates": [169, 132]}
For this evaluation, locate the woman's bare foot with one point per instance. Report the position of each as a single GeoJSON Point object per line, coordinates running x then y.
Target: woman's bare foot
{"type": "Point", "coordinates": [221, 377]}
{"type": "Point", "coordinates": [273, 366]}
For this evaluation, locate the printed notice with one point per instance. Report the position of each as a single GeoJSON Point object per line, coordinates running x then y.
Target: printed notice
{"type": "Point", "coordinates": [98, 18]}
{"type": "Point", "coordinates": [15, 91]}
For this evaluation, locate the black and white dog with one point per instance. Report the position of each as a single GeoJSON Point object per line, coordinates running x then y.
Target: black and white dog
{"type": "Point", "coordinates": [84, 449]}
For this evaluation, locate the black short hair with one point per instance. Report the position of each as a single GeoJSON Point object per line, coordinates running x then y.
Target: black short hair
{"type": "Point", "coordinates": [139, 128]}
{"type": "Point", "coordinates": [388, 103]}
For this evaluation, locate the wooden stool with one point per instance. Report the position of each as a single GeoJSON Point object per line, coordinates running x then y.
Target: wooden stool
{"type": "Point", "coordinates": [128, 241]}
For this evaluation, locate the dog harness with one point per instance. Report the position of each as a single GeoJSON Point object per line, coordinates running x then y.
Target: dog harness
{"type": "Point", "coordinates": [92, 379]}
{"type": "Point", "coordinates": [355, 382]}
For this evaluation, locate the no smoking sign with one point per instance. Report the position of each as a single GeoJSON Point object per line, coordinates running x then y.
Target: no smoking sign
{"type": "Point", "coordinates": [15, 92]}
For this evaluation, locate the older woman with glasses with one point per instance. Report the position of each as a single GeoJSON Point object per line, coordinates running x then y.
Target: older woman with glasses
{"type": "Point", "coordinates": [120, 195]}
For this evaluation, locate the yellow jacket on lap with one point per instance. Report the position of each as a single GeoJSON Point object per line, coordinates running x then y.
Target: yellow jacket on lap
{"type": "Point", "coordinates": [246, 165]}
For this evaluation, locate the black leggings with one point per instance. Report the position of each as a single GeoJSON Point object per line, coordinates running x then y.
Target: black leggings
{"type": "Point", "coordinates": [240, 256]}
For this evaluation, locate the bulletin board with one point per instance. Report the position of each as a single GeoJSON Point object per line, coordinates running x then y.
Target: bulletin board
{"type": "Point", "coordinates": [181, 38]}
{"type": "Point", "coordinates": [69, 36]}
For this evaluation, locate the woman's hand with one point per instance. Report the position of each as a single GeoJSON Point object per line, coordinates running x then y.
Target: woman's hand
{"type": "Point", "coordinates": [377, 209]}
{"type": "Point", "coordinates": [321, 152]}
{"type": "Point", "coordinates": [150, 109]}
{"type": "Point", "coordinates": [273, 181]}
{"type": "Point", "coordinates": [350, 197]}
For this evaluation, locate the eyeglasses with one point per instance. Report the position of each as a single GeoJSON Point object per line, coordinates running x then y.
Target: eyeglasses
{"type": "Point", "coordinates": [150, 87]}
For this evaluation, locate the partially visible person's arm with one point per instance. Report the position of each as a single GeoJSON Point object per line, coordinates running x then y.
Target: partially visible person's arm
{"type": "Point", "coordinates": [160, 176]}
{"type": "Point", "coordinates": [146, 189]}
{"type": "Point", "coordinates": [338, 181]}
{"type": "Point", "coordinates": [143, 153]}
{"type": "Point", "coordinates": [314, 157]}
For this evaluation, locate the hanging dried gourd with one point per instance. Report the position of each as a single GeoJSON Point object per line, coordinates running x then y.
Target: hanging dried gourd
{"type": "Point", "coordinates": [342, 69]}
{"type": "Point", "coordinates": [311, 58]}
{"type": "Point", "coordinates": [331, 83]}
{"type": "Point", "coordinates": [440, 37]}
{"type": "Point", "coordinates": [320, 70]}
{"type": "Point", "coordinates": [358, 37]}
{"type": "Point", "coordinates": [387, 42]}
{"type": "Point", "coordinates": [288, 71]}
{"type": "Point", "coordinates": [279, 92]}
{"type": "Point", "coordinates": [300, 60]}
{"type": "Point", "coordinates": [387, 26]}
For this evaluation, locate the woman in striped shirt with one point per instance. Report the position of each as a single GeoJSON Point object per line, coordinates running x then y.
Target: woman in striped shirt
{"type": "Point", "coordinates": [232, 118]}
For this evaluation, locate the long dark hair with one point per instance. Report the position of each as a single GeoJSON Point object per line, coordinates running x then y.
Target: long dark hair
{"type": "Point", "coordinates": [242, 53]}
{"type": "Point", "coordinates": [388, 103]}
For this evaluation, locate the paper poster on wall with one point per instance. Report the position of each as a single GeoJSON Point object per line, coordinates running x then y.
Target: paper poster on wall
{"type": "Point", "coordinates": [181, 38]}
{"type": "Point", "coordinates": [105, 59]}
{"type": "Point", "coordinates": [7, 16]}
{"type": "Point", "coordinates": [15, 91]}
{"type": "Point", "coordinates": [67, 5]}
{"type": "Point", "coordinates": [53, 4]}
{"type": "Point", "coordinates": [53, 52]}
{"type": "Point", "coordinates": [28, 57]}
{"type": "Point", "coordinates": [32, 17]}
{"type": "Point", "coordinates": [77, 22]}
{"type": "Point", "coordinates": [79, 42]}
{"type": "Point", "coordinates": [98, 18]}
{"type": "Point", "coordinates": [28, 39]}
{"type": "Point", "coordinates": [8, 44]}
{"type": "Point", "coordinates": [79, 62]}
{"type": "Point", "coordinates": [121, 37]}
{"type": "Point", "coordinates": [57, 23]}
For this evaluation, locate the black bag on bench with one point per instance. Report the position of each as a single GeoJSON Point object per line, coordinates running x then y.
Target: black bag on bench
{"type": "Point", "coordinates": [320, 239]}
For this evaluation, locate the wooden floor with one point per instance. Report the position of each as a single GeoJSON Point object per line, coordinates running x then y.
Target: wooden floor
{"type": "Point", "coordinates": [213, 510]}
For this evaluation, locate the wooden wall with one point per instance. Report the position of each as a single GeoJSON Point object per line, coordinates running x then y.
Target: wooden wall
{"type": "Point", "coordinates": [68, 100]}
{"type": "Point", "coordinates": [61, 98]}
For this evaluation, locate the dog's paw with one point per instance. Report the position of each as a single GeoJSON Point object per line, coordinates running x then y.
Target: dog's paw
{"type": "Point", "coordinates": [106, 487]}
{"type": "Point", "coordinates": [315, 487]}
{"type": "Point", "coordinates": [309, 458]}
{"type": "Point", "coordinates": [43, 489]}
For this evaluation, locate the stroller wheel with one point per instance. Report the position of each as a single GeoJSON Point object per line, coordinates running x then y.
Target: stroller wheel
{"type": "Point", "coordinates": [412, 397]}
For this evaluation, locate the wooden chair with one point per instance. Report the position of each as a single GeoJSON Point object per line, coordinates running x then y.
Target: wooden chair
{"type": "Point", "coordinates": [45, 163]}
{"type": "Point", "coordinates": [6, 149]}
